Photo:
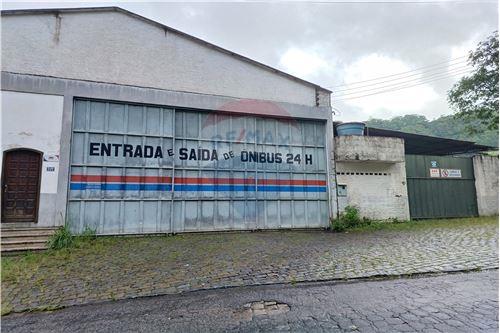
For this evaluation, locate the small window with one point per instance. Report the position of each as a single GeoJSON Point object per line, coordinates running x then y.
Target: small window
{"type": "Point", "coordinates": [342, 190]}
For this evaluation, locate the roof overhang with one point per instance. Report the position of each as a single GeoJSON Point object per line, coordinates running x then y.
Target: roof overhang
{"type": "Point", "coordinates": [418, 144]}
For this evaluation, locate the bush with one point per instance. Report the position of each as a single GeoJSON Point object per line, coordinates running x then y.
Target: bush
{"type": "Point", "coordinates": [348, 219]}
{"type": "Point", "coordinates": [62, 238]}
{"type": "Point", "coordinates": [338, 225]}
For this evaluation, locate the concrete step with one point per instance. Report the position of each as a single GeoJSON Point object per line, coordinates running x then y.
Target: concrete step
{"type": "Point", "coordinates": [24, 240]}
{"type": "Point", "coordinates": [20, 239]}
{"type": "Point", "coordinates": [36, 238]}
{"type": "Point", "coordinates": [16, 248]}
{"type": "Point", "coordinates": [9, 233]}
{"type": "Point", "coordinates": [9, 227]}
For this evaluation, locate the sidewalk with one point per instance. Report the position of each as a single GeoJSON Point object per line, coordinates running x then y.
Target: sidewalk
{"type": "Point", "coordinates": [118, 268]}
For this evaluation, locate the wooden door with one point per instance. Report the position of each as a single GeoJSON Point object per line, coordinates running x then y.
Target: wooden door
{"type": "Point", "coordinates": [21, 185]}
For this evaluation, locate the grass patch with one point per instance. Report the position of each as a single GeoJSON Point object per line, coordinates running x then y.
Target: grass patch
{"type": "Point", "coordinates": [16, 268]}
{"type": "Point", "coordinates": [351, 220]}
{"type": "Point", "coordinates": [21, 267]}
{"type": "Point", "coordinates": [91, 248]}
{"type": "Point", "coordinates": [6, 309]}
{"type": "Point", "coordinates": [87, 246]}
{"type": "Point", "coordinates": [396, 225]}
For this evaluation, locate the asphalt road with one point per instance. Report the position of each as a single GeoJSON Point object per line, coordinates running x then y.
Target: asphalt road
{"type": "Point", "coordinates": [466, 302]}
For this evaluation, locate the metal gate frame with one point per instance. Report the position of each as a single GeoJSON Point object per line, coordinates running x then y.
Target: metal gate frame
{"type": "Point", "coordinates": [173, 227]}
{"type": "Point", "coordinates": [438, 197]}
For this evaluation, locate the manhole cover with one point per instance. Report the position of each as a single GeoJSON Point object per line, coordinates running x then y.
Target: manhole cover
{"type": "Point", "coordinates": [261, 308]}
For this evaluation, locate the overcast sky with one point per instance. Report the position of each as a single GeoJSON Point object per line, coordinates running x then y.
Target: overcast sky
{"type": "Point", "coordinates": [336, 44]}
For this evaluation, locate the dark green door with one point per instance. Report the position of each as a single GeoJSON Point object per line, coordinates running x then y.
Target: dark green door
{"type": "Point", "coordinates": [440, 186]}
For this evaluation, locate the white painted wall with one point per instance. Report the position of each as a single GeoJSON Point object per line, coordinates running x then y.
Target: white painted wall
{"type": "Point", "coordinates": [34, 121]}
{"type": "Point", "coordinates": [376, 196]}
{"type": "Point", "coordinates": [486, 175]}
{"type": "Point", "coordinates": [373, 169]}
{"type": "Point", "coordinates": [116, 48]}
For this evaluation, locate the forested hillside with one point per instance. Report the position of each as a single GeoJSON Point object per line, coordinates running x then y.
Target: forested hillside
{"type": "Point", "coordinates": [445, 126]}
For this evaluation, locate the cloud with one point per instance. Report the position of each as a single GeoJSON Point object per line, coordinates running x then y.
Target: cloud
{"type": "Point", "coordinates": [322, 42]}
{"type": "Point", "coordinates": [392, 102]}
{"type": "Point", "coordinates": [302, 63]}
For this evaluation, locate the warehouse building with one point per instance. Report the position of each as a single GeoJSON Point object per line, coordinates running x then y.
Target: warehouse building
{"type": "Point", "coordinates": [396, 175]}
{"type": "Point", "coordinates": [118, 123]}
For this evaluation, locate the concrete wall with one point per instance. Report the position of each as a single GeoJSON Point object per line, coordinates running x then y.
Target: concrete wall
{"type": "Point", "coordinates": [115, 47]}
{"type": "Point", "coordinates": [369, 148]}
{"type": "Point", "coordinates": [377, 189]}
{"type": "Point", "coordinates": [486, 175]}
{"type": "Point", "coordinates": [34, 121]}
{"type": "Point", "coordinates": [373, 171]}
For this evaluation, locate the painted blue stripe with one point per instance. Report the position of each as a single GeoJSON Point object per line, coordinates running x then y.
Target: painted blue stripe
{"type": "Point", "coordinates": [195, 188]}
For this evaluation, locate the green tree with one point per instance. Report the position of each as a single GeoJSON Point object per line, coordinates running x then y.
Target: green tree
{"type": "Point", "coordinates": [444, 127]}
{"type": "Point", "coordinates": [475, 97]}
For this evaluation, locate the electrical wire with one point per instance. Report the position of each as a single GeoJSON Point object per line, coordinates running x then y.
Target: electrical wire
{"type": "Point", "coordinates": [447, 68]}
{"type": "Point", "coordinates": [455, 71]}
{"type": "Point", "coordinates": [401, 73]}
{"type": "Point", "coordinates": [395, 89]}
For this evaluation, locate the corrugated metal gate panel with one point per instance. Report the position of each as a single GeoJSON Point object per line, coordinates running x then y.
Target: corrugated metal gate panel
{"type": "Point", "coordinates": [440, 197]}
{"type": "Point", "coordinates": [138, 169]}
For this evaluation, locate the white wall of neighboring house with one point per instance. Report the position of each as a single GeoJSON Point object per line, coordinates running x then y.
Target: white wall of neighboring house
{"type": "Point", "coordinates": [377, 189]}
{"type": "Point", "coordinates": [372, 171]}
{"type": "Point", "coordinates": [486, 175]}
{"type": "Point", "coordinates": [34, 121]}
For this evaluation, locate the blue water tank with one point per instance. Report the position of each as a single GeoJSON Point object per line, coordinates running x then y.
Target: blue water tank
{"type": "Point", "coordinates": [353, 128]}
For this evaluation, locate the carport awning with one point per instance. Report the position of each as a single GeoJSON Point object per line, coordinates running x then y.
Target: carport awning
{"type": "Point", "coordinates": [417, 144]}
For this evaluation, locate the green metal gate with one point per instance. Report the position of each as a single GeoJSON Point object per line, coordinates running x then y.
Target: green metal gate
{"type": "Point", "coordinates": [440, 186]}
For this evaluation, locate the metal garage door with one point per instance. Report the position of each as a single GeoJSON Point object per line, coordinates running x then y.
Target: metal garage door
{"type": "Point", "coordinates": [148, 169]}
{"type": "Point", "coordinates": [440, 186]}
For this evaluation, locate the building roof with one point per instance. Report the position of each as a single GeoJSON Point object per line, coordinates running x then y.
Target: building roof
{"type": "Point", "coordinates": [56, 11]}
{"type": "Point", "coordinates": [417, 144]}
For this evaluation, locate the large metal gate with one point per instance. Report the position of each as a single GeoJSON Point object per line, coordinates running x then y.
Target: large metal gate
{"type": "Point", "coordinates": [440, 186]}
{"type": "Point", "coordinates": [149, 169]}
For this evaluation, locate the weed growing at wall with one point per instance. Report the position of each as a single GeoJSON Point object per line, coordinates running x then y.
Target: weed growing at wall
{"type": "Point", "coordinates": [61, 239]}
{"type": "Point", "coordinates": [88, 234]}
{"type": "Point", "coordinates": [349, 219]}
{"type": "Point", "coordinates": [64, 239]}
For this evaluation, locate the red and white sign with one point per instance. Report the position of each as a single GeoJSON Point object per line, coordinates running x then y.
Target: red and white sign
{"type": "Point", "coordinates": [434, 172]}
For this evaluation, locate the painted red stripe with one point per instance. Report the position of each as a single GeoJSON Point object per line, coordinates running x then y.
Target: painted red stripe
{"type": "Point", "coordinates": [196, 180]}
{"type": "Point", "coordinates": [121, 179]}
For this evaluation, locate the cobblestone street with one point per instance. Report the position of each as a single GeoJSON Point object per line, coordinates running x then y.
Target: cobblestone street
{"type": "Point", "coordinates": [464, 302]}
{"type": "Point", "coordinates": [115, 269]}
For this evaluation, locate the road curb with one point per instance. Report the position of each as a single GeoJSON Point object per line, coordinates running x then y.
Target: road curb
{"type": "Point", "coordinates": [378, 277]}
